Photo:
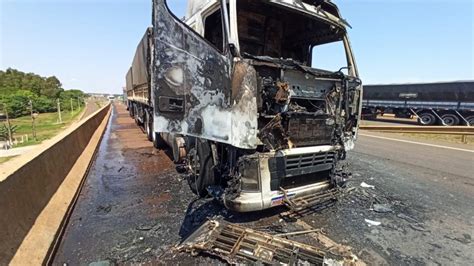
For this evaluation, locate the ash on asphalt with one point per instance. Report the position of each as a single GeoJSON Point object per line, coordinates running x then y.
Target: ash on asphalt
{"type": "Point", "coordinates": [135, 207]}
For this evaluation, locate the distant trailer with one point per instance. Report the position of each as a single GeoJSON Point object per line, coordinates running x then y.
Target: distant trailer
{"type": "Point", "coordinates": [443, 103]}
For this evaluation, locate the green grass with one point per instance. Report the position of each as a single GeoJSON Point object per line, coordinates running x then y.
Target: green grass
{"type": "Point", "coordinates": [47, 126]}
{"type": "Point", "coordinates": [5, 159]}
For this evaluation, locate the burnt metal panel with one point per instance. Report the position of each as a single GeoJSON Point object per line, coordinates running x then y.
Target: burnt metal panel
{"type": "Point", "coordinates": [307, 130]}
{"type": "Point", "coordinates": [195, 87]}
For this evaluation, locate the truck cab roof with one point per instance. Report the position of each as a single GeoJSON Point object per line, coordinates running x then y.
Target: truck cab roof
{"type": "Point", "coordinates": [316, 6]}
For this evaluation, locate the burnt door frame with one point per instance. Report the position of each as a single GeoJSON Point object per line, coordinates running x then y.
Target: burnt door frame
{"type": "Point", "coordinates": [188, 75]}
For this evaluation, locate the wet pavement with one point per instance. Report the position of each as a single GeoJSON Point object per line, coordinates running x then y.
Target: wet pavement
{"type": "Point", "coordinates": [135, 207]}
{"type": "Point", "coordinates": [125, 210]}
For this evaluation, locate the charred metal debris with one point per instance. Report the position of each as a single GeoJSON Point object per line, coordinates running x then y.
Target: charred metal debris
{"type": "Point", "coordinates": [237, 244]}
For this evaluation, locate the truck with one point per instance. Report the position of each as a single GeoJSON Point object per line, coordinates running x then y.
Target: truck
{"type": "Point", "coordinates": [440, 103]}
{"type": "Point", "coordinates": [235, 91]}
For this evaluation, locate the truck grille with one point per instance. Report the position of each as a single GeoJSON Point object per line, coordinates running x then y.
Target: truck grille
{"type": "Point", "coordinates": [299, 170]}
{"type": "Point", "coordinates": [309, 160]}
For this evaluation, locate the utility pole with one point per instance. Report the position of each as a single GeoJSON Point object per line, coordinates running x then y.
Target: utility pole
{"type": "Point", "coordinates": [72, 108]}
{"type": "Point", "coordinates": [10, 138]}
{"type": "Point", "coordinates": [33, 119]}
{"type": "Point", "coordinates": [60, 120]}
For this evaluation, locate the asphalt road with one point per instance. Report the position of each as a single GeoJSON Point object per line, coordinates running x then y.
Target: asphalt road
{"type": "Point", "coordinates": [135, 207]}
{"type": "Point", "coordinates": [431, 192]}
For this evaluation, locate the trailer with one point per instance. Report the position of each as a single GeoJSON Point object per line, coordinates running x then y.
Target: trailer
{"type": "Point", "coordinates": [235, 91]}
{"type": "Point", "coordinates": [442, 103]}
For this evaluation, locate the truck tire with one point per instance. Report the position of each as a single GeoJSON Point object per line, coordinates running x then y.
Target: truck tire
{"type": "Point", "coordinates": [130, 110]}
{"type": "Point", "coordinates": [148, 126]}
{"type": "Point", "coordinates": [450, 119]}
{"type": "Point", "coordinates": [470, 120]}
{"type": "Point", "coordinates": [426, 119]}
{"type": "Point", "coordinates": [158, 141]}
{"type": "Point", "coordinates": [137, 114]}
{"type": "Point", "coordinates": [202, 173]}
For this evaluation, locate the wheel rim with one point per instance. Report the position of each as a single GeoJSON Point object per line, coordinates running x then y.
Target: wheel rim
{"type": "Point", "coordinates": [427, 119]}
{"type": "Point", "coordinates": [449, 120]}
{"type": "Point", "coordinates": [470, 120]}
{"type": "Point", "coordinates": [195, 166]}
{"type": "Point", "coordinates": [148, 129]}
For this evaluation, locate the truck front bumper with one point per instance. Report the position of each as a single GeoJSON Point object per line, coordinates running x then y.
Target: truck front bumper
{"type": "Point", "coordinates": [262, 175]}
{"type": "Point", "coordinates": [256, 201]}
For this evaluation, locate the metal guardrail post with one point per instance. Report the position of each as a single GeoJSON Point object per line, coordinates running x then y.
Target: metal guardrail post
{"type": "Point", "coordinates": [439, 117]}
{"type": "Point", "coordinates": [467, 122]}
{"type": "Point", "coordinates": [416, 115]}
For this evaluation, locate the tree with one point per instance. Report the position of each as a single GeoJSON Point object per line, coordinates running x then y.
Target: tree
{"type": "Point", "coordinates": [15, 104]}
{"type": "Point", "coordinates": [53, 87]}
{"type": "Point", "coordinates": [18, 88]}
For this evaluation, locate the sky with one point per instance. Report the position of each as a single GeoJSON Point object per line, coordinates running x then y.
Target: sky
{"type": "Point", "coordinates": [89, 44]}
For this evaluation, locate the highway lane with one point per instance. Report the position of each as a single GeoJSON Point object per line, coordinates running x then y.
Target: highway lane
{"type": "Point", "coordinates": [454, 160]}
{"type": "Point", "coordinates": [430, 191]}
{"type": "Point", "coordinates": [134, 206]}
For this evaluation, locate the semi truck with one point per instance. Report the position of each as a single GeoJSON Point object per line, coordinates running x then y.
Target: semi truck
{"type": "Point", "coordinates": [235, 91]}
{"type": "Point", "coordinates": [441, 103]}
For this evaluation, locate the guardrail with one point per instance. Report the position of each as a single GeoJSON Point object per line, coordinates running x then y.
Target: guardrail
{"type": "Point", "coordinates": [440, 130]}
{"type": "Point", "coordinates": [434, 129]}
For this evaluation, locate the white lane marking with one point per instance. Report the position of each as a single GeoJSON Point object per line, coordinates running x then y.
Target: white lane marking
{"type": "Point", "coordinates": [419, 143]}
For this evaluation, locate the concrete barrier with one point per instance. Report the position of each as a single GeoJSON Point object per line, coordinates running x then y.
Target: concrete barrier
{"type": "Point", "coordinates": [28, 184]}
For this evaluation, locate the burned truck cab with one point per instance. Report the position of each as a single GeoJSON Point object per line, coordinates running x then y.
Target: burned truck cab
{"type": "Point", "coordinates": [245, 84]}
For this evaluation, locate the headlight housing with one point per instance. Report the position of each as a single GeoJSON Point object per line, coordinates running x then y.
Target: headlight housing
{"type": "Point", "coordinates": [249, 174]}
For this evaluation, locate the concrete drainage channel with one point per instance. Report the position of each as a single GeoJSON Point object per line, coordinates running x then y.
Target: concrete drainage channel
{"type": "Point", "coordinates": [37, 190]}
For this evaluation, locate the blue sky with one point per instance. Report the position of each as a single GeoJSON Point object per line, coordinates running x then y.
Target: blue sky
{"type": "Point", "coordinates": [89, 44]}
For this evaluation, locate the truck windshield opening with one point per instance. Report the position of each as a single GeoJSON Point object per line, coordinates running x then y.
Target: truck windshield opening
{"type": "Point", "coordinates": [268, 30]}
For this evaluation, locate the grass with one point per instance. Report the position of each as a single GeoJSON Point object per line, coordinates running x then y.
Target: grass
{"type": "Point", "coordinates": [47, 126]}
{"type": "Point", "coordinates": [5, 159]}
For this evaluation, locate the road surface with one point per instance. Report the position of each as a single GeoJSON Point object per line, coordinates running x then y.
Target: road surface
{"type": "Point", "coordinates": [135, 207]}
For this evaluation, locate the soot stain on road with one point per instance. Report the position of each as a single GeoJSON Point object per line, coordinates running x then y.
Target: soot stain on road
{"type": "Point", "coordinates": [135, 207]}
{"type": "Point", "coordinates": [131, 204]}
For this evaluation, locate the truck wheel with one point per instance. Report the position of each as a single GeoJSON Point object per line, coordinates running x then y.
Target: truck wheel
{"type": "Point", "coordinates": [201, 164]}
{"type": "Point", "coordinates": [158, 141]}
{"type": "Point", "coordinates": [427, 119]}
{"type": "Point", "coordinates": [470, 120]}
{"type": "Point", "coordinates": [130, 110]}
{"type": "Point", "coordinates": [148, 126]}
{"type": "Point", "coordinates": [137, 116]}
{"type": "Point", "coordinates": [450, 119]}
